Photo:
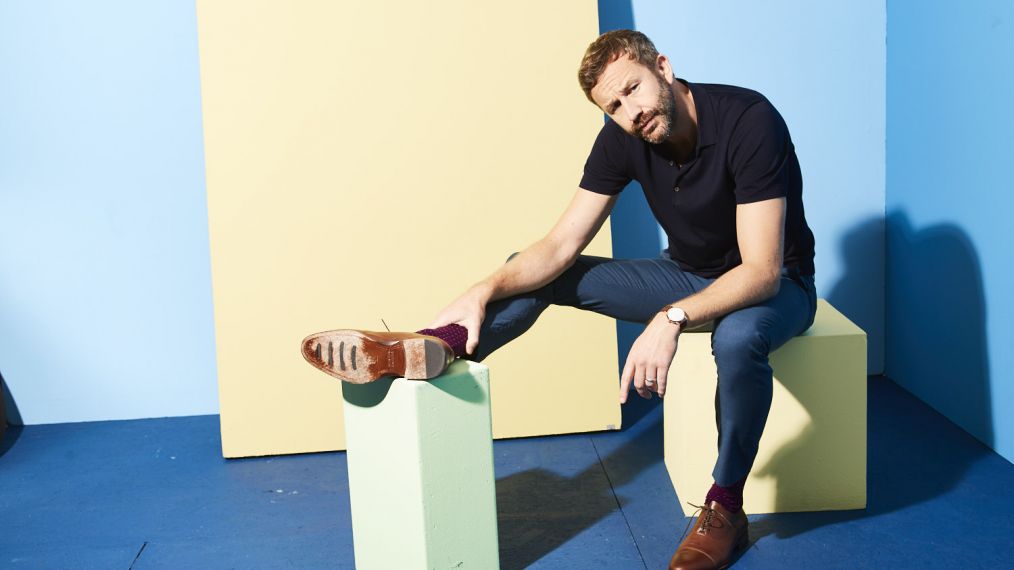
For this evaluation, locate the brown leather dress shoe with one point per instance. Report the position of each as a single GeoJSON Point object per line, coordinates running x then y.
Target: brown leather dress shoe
{"type": "Point", "coordinates": [364, 356]}
{"type": "Point", "coordinates": [717, 538]}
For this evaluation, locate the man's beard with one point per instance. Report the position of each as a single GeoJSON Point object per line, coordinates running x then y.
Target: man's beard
{"type": "Point", "coordinates": [665, 110]}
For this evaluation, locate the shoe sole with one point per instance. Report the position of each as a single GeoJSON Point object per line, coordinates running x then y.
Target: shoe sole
{"type": "Point", "coordinates": [357, 357]}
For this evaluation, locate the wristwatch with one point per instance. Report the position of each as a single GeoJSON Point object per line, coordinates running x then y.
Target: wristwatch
{"type": "Point", "coordinates": [676, 316]}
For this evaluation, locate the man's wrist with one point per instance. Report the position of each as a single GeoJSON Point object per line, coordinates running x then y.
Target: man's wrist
{"type": "Point", "coordinates": [663, 324]}
{"type": "Point", "coordinates": [676, 316]}
{"type": "Point", "coordinates": [484, 290]}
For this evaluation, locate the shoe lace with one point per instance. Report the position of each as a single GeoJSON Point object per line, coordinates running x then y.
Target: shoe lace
{"type": "Point", "coordinates": [708, 514]}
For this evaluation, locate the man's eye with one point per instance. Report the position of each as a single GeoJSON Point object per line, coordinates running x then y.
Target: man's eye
{"type": "Point", "coordinates": [634, 88]}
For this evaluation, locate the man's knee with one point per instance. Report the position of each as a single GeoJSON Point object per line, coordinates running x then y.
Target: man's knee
{"type": "Point", "coordinates": [737, 344]}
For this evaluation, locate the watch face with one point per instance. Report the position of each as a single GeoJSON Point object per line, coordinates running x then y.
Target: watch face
{"type": "Point", "coordinates": [676, 314]}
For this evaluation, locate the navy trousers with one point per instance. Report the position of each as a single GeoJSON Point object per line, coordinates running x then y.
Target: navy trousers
{"type": "Point", "coordinates": [634, 290]}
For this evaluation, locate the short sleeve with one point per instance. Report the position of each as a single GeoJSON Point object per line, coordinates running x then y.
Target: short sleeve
{"type": "Point", "coordinates": [605, 171]}
{"type": "Point", "coordinates": [759, 155]}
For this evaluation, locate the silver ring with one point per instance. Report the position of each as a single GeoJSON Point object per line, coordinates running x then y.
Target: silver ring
{"type": "Point", "coordinates": [649, 380]}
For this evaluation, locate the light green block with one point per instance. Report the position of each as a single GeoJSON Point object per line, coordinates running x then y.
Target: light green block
{"type": "Point", "coordinates": [420, 457]}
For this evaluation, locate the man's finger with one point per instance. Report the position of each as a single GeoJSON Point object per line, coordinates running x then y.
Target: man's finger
{"type": "Point", "coordinates": [639, 383]}
{"type": "Point", "coordinates": [473, 337]}
{"type": "Point", "coordinates": [661, 380]}
{"type": "Point", "coordinates": [650, 375]}
{"type": "Point", "coordinates": [625, 378]}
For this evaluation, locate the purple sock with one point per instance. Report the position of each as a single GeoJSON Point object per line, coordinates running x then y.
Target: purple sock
{"type": "Point", "coordinates": [730, 497]}
{"type": "Point", "coordinates": [454, 335]}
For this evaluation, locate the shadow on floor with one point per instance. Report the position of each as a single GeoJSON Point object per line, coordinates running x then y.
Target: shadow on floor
{"type": "Point", "coordinates": [10, 437]}
{"type": "Point", "coordinates": [10, 418]}
{"type": "Point", "coordinates": [909, 462]}
{"type": "Point", "coordinates": [538, 510]}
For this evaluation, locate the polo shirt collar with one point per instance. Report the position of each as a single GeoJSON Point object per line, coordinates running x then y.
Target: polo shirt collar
{"type": "Point", "coordinates": [707, 130]}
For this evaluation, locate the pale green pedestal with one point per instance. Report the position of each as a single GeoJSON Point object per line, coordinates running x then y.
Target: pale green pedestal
{"type": "Point", "coordinates": [420, 457]}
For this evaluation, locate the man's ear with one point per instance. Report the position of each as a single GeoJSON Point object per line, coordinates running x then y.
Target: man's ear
{"type": "Point", "coordinates": [664, 68]}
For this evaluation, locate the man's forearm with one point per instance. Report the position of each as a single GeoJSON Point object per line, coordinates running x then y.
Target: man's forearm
{"type": "Point", "coordinates": [529, 270]}
{"type": "Point", "coordinates": [741, 286]}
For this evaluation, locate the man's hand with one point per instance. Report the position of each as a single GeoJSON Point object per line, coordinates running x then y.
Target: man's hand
{"type": "Point", "coordinates": [649, 359]}
{"type": "Point", "coordinates": [468, 310]}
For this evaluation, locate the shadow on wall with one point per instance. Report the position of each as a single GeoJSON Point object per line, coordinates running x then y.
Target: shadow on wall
{"type": "Point", "coordinates": [937, 322]}
{"type": "Point", "coordinates": [9, 415]}
{"type": "Point", "coordinates": [859, 294]}
{"type": "Point", "coordinates": [911, 457]}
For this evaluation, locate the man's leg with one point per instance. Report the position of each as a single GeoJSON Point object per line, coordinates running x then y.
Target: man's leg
{"type": "Point", "coordinates": [625, 289]}
{"type": "Point", "coordinates": [741, 343]}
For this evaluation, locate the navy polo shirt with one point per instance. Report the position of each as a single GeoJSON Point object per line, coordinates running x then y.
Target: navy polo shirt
{"type": "Point", "coordinates": [744, 154]}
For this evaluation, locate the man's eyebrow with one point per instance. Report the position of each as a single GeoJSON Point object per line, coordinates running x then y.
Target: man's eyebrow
{"type": "Point", "coordinates": [626, 89]}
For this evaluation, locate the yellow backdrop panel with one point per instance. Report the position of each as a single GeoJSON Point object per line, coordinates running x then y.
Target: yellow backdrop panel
{"type": "Point", "coordinates": [371, 160]}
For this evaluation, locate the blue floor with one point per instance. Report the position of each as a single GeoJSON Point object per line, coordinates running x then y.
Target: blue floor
{"type": "Point", "coordinates": [157, 494]}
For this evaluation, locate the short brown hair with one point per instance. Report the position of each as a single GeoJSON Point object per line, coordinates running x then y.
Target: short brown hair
{"type": "Point", "coordinates": [607, 49]}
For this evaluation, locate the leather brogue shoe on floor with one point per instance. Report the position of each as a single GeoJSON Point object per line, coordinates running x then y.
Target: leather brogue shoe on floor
{"type": "Point", "coordinates": [363, 356]}
{"type": "Point", "coordinates": [717, 539]}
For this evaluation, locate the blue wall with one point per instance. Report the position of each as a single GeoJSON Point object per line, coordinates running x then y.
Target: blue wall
{"type": "Point", "coordinates": [823, 66]}
{"type": "Point", "coordinates": [949, 197]}
{"type": "Point", "coordinates": [105, 287]}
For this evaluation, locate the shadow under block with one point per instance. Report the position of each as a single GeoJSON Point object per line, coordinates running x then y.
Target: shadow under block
{"type": "Point", "coordinates": [420, 460]}
{"type": "Point", "coordinates": [812, 456]}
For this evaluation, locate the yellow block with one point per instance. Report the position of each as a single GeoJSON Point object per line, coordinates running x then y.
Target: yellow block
{"type": "Point", "coordinates": [370, 160]}
{"type": "Point", "coordinates": [420, 459]}
{"type": "Point", "coordinates": [812, 455]}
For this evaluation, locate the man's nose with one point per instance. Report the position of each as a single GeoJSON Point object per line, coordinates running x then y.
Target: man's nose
{"type": "Point", "coordinates": [633, 112]}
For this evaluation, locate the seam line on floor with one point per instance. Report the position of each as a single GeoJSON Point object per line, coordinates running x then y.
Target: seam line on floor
{"type": "Point", "coordinates": [143, 546]}
{"type": "Point", "coordinates": [630, 531]}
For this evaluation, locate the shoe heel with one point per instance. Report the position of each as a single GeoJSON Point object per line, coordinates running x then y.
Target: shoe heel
{"type": "Point", "coordinates": [743, 543]}
{"type": "Point", "coordinates": [425, 358]}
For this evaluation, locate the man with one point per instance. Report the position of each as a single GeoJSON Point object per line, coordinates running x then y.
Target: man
{"type": "Point", "coordinates": [720, 174]}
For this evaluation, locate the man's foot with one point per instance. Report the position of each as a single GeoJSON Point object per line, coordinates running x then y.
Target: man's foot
{"type": "Point", "coordinates": [717, 538]}
{"type": "Point", "coordinates": [363, 356]}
